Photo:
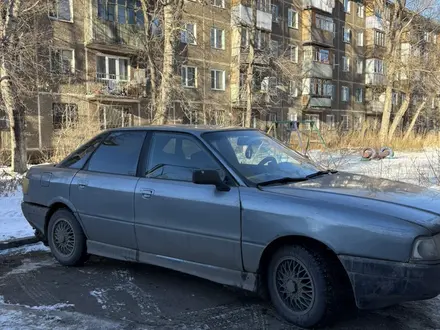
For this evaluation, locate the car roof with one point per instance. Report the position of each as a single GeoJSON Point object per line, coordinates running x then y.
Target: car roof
{"type": "Point", "coordinates": [192, 129]}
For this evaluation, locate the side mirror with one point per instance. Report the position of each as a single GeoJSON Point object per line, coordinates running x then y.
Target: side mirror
{"type": "Point", "coordinates": [210, 177]}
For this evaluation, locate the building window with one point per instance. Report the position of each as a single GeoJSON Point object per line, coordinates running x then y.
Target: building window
{"type": "Point", "coordinates": [263, 5]}
{"type": "Point", "coordinates": [359, 95]}
{"type": "Point", "coordinates": [345, 122]}
{"type": "Point", "coordinates": [320, 87]}
{"type": "Point", "coordinates": [218, 80]}
{"type": "Point", "coordinates": [261, 39]}
{"type": "Point", "coordinates": [112, 116]}
{"type": "Point", "coordinates": [64, 115]}
{"type": "Point", "coordinates": [60, 10]}
{"type": "Point", "coordinates": [360, 39]}
{"type": "Point", "coordinates": [112, 68]}
{"type": "Point", "coordinates": [62, 61]}
{"type": "Point", "coordinates": [274, 48]}
{"type": "Point", "coordinates": [293, 53]}
{"type": "Point", "coordinates": [345, 64]}
{"type": "Point", "coordinates": [345, 94]}
{"type": "Point", "coordinates": [360, 10]}
{"type": "Point", "coordinates": [293, 89]}
{"type": "Point", "coordinates": [322, 55]}
{"type": "Point", "coordinates": [188, 34]}
{"type": "Point", "coordinates": [292, 18]}
{"type": "Point", "coordinates": [4, 119]}
{"type": "Point", "coordinates": [188, 75]}
{"type": "Point", "coordinates": [347, 6]}
{"type": "Point", "coordinates": [314, 119]}
{"type": "Point", "coordinates": [275, 13]}
{"type": "Point", "coordinates": [324, 23]}
{"type": "Point", "coordinates": [330, 121]}
{"type": "Point", "coordinates": [394, 98]}
{"type": "Point", "coordinates": [379, 38]}
{"type": "Point", "coordinates": [378, 66]}
{"type": "Point", "coordinates": [121, 11]}
{"type": "Point", "coordinates": [346, 34]}
{"type": "Point", "coordinates": [218, 3]}
{"type": "Point", "coordinates": [359, 66]}
{"type": "Point", "coordinates": [244, 42]}
{"type": "Point", "coordinates": [217, 38]}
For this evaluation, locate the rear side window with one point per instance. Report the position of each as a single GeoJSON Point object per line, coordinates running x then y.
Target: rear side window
{"type": "Point", "coordinates": [118, 153]}
{"type": "Point", "coordinates": [79, 157]}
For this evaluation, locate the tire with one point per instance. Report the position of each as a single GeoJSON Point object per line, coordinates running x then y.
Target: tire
{"type": "Point", "coordinates": [320, 291]}
{"type": "Point", "coordinates": [66, 238]}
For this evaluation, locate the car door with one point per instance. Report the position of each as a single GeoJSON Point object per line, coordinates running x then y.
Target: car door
{"type": "Point", "coordinates": [103, 192]}
{"type": "Point", "coordinates": [177, 218]}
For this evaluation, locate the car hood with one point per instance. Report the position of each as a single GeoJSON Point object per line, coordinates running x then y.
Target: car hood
{"type": "Point", "coordinates": [410, 202]}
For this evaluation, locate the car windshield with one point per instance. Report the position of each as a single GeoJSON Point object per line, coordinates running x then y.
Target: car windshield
{"type": "Point", "coordinates": [259, 158]}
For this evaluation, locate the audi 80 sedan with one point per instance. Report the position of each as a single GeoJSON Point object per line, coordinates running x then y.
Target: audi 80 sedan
{"type": "Point", "coordinates": [236, 207]}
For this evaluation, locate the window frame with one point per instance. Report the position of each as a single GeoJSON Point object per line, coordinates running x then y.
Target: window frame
{"type": "Point", "coordinates": [346, 32]}
{"type": "Point", "coordinates": [360, 38]}
{"type": "Point", "coordinates": [223, 78]}
{"type": "Point", "coordinates": [290, 22]}
{"type": "Point", "coordinates": [345, 88]}
{"type": "Point", "coordinates": [216, 30]}
{"type": "Point", "coordinates": [68, 108]}
{"type": "Point", "coordinates": [117, 67]}
{"type": "Point", "coordinates": [56, 18]}
{"type": "Point", "coordinates": [186, 76]}
{"type": "Point", "coordinates": [186, 37]}
{"type": "Point", "coordinates": [345, 64]}
{"type": "Point", "coordinates": [293, 53]}
{"type": "Point", "coordinates": [222, 4]}
{"type": "Point", "coordinates": [60, 50]}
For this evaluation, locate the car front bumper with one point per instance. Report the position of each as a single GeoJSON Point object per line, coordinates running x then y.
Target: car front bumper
{"type": "Point", "coordinates": [378, 283]}
{"type": "Point", "coordinates": [35, 215]}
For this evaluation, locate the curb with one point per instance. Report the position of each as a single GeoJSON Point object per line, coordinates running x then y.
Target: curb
{"type": "Point", "coordinates": [17, 242]}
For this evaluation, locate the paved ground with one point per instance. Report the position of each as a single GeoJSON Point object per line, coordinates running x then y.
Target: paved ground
{"type": "Point", "coordinates": [37, 293]}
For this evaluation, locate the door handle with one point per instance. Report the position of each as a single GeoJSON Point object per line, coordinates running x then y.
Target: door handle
{"type": "Point", "coordinates": [82, 184]}
{"type": "Point", "coordinates": [146, 193]}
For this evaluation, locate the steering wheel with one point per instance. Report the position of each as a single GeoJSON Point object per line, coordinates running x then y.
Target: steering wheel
{"type": "Point", "coordinates": [267, 160]}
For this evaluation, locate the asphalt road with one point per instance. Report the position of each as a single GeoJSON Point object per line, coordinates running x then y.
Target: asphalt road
{"type": "Point", "coordinates": [38, 293]}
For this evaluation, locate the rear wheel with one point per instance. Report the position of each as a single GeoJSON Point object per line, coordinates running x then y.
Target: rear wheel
{"type": "Point", "coordinates": [302, 287]}
{"type": "Point", "coordinates": [66, 238]}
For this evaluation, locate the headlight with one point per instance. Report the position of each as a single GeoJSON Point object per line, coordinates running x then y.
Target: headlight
{"type": "Point", "coordinates": [426, 248]}
{"type": "Point", "coordinates": [25, 185]}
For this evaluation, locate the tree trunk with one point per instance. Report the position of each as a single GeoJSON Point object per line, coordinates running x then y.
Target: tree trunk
{"type": "Point", "coordinates": [250, 66]}
{"type": "Point", "coordinates": [17, 122]}
{"type": "Point", "coordinates": [388, 105]}
{"type": "Point", "coordinates": [399, 115]}
{"type": "Point", "coordinates": [414, 120]}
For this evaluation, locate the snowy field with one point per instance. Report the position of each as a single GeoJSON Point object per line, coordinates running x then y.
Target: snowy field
{"type": "Point", "coordinates": [421, 168]}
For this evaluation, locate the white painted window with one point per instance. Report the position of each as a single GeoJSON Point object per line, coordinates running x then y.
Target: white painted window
{"type": "Point", "coordinates": [217, 38]}
{"type": "Point", "coordinates": [345, 64]}
{"type": "Point", "coordinates": [360, 39]}
{"type": "Point", "coordinates": [330, 121]}
{"type": "Point", "coordinates": [346, 34]}
{"type": "Point", "coordinates": [244, 42]}
{"type": "Point", "coordinates": [188, 34]}
{"type": "Point", "coordinates": [293, 89]}
{"type": "Point", "coordinates": [112, 68]}
{"type": "Point", "coordinates": [274, 48]}
{"type": "Point", "coordinates": [60, 10]}
{"type": "Point", "coordinates": [188, 76]}
{"type": "Point", "coordinates": [121, 11]}
{"type": "Point", "coordinates": [294, 53]}
{"type": "Point", "coordinates": [379, 38]}
{"type": "Point", "coordinates": [218, 79]}
{"type": "Point", "coordinates": [313, 118]}
{"type": "Point", "coordinates": [292, 18]}
{"type": "Point", "coordinates": [359, 66]}
{"type": "Point", "coordinates": [359, 95]}
{"type": "Point", "coordinates": [347, 6]}
{"type": "Point", "coordinates": [324, 23]}
{"type": "Point", "coordinates": [345, 121]}
{"type": "Point", "coordinates": [62, 61]}
{"type": "Point", "coordinates": [218, 3]}
{"type": "Point", "coordinates": [360, 10]}
{"type": "Point", "coordinates": [345, 94]}
{"type": "Point", "coordinates": [378, 66]}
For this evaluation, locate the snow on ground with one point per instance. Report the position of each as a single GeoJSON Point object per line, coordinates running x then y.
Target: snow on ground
{"type": "Point", "coordinates": [422, 168]}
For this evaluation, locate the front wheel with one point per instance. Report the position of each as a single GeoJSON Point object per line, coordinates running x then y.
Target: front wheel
{"type": "Point", "coordinates": [301, 287]}
{"type": "Point", "coordinates": [66, 238]}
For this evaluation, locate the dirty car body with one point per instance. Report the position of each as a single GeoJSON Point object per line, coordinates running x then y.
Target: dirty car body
{"type": "Point", "coordinates": [232, 206]}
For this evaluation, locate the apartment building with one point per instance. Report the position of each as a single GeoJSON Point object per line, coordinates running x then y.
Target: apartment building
{"type": "Point", "coordinates": [329, 50]}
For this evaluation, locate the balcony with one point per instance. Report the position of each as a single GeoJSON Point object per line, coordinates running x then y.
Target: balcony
{"type": "Point", "coordinates": [375, 22]}
{"type": "Point", "coordinates": [105, 86]}
{"type": "Point", "coordinates": [324, 5]}
{"type": "Point", "coordinates": [374, 107]}
{"type": "Point", "coordinates": [375, 79]}
{"type": "Point", "coordinates": [314, 35]}
{"type": "Point", "coordinates": [242, 15]}
{"type": "Point", "coordinates": [312, 101]}
{"type": "Point", "coordinates": [110, 36]}
{"type": "Point", "coordinates": [318, 70]}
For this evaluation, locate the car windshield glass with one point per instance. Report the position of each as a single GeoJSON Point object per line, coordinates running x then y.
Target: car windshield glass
{"type": "Point", "coordinates": [259, 158]}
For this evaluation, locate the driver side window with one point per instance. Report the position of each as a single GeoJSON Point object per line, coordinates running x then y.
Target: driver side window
{"type": "Point", "coordinates": [175, 156]}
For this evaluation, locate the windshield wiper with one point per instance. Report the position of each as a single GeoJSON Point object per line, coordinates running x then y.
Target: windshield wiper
{"type": "Point", "coordinates": [281, 181]}
{"type": "Point", "coordinates": [320, 173]}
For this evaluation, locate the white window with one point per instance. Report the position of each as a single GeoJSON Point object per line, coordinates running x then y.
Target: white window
{"type": "Point", "coordinates": [359, 66]}
{"type": "Point", "coordinates": [360, 10]}
{"type": "Point", "coordinates": [314, 119]}
{"type": "Point", "coordinates": [345, 94]}
{"type": "Point", "coordinates": [188, 75]}
{"type": "Point", "coordinates": [263, 5]}
{"type": "Point", "coordinates": [112, 68]}
{"type": "Point", "coordinates": [121, 11]}
{"type": "Point", "coordinates": [347, 6]}
{"type": "Point", "coordinates": [360, 39]}
{"type": "Point", "coordinates": [379, 38]}
{"type": "Point", "coordinates": [330, 121]}
{"type": "Point", "coordinates": [115, 116]}
{"type": "Point", "coordinates": [188, 34]}
{"type": "Point", "coordinates": [346, 34]}
{"type": "Point", "coordinates": [324, 23]}
{"type": "Point", "coordinates": [394, 98]}
{"type": "Point", "coordinates": [322, 55]}
{"type": "Point", "coordinates": [294, 53]}
{"type": "Point", "coordinates": [261, 39]}
{"type": "Point", "coordinates": [274, 48]}
{"type": "Point", "coordinates": [60, 10]}
{"type": "Point", "coordinates": [345, 121]}
{"type": "Point", "coordinates": [345, 64]}
{"type": "Point", "coordinates": [426, 36]}
{"type": "Point", "coordinates": [244, 37]}
{"type": "Point", "coordinates": [275, 13]}
{"type": "Point", "coordinates": [218, 3]}
{"type": "Point", "coordinates": [378, 66]}
{"type": "Point", "coordinates": [293, 89]}
{"type": "Point", "coordinates": [359, 95]}
{"type": "Point", "coordinates": [218, 80]}
{"type": "Point", "coordinates": [321, 87]}
{"type": "Point", "coordinates": [62, 61]}
{"type": "Point", "coordinates": [292, 18]}
{"type": "Point", "coordinates": [217, 38]}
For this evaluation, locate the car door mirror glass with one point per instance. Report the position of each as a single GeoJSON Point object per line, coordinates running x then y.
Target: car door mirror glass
{"type": "Point", "coordinates": [210, 177]}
